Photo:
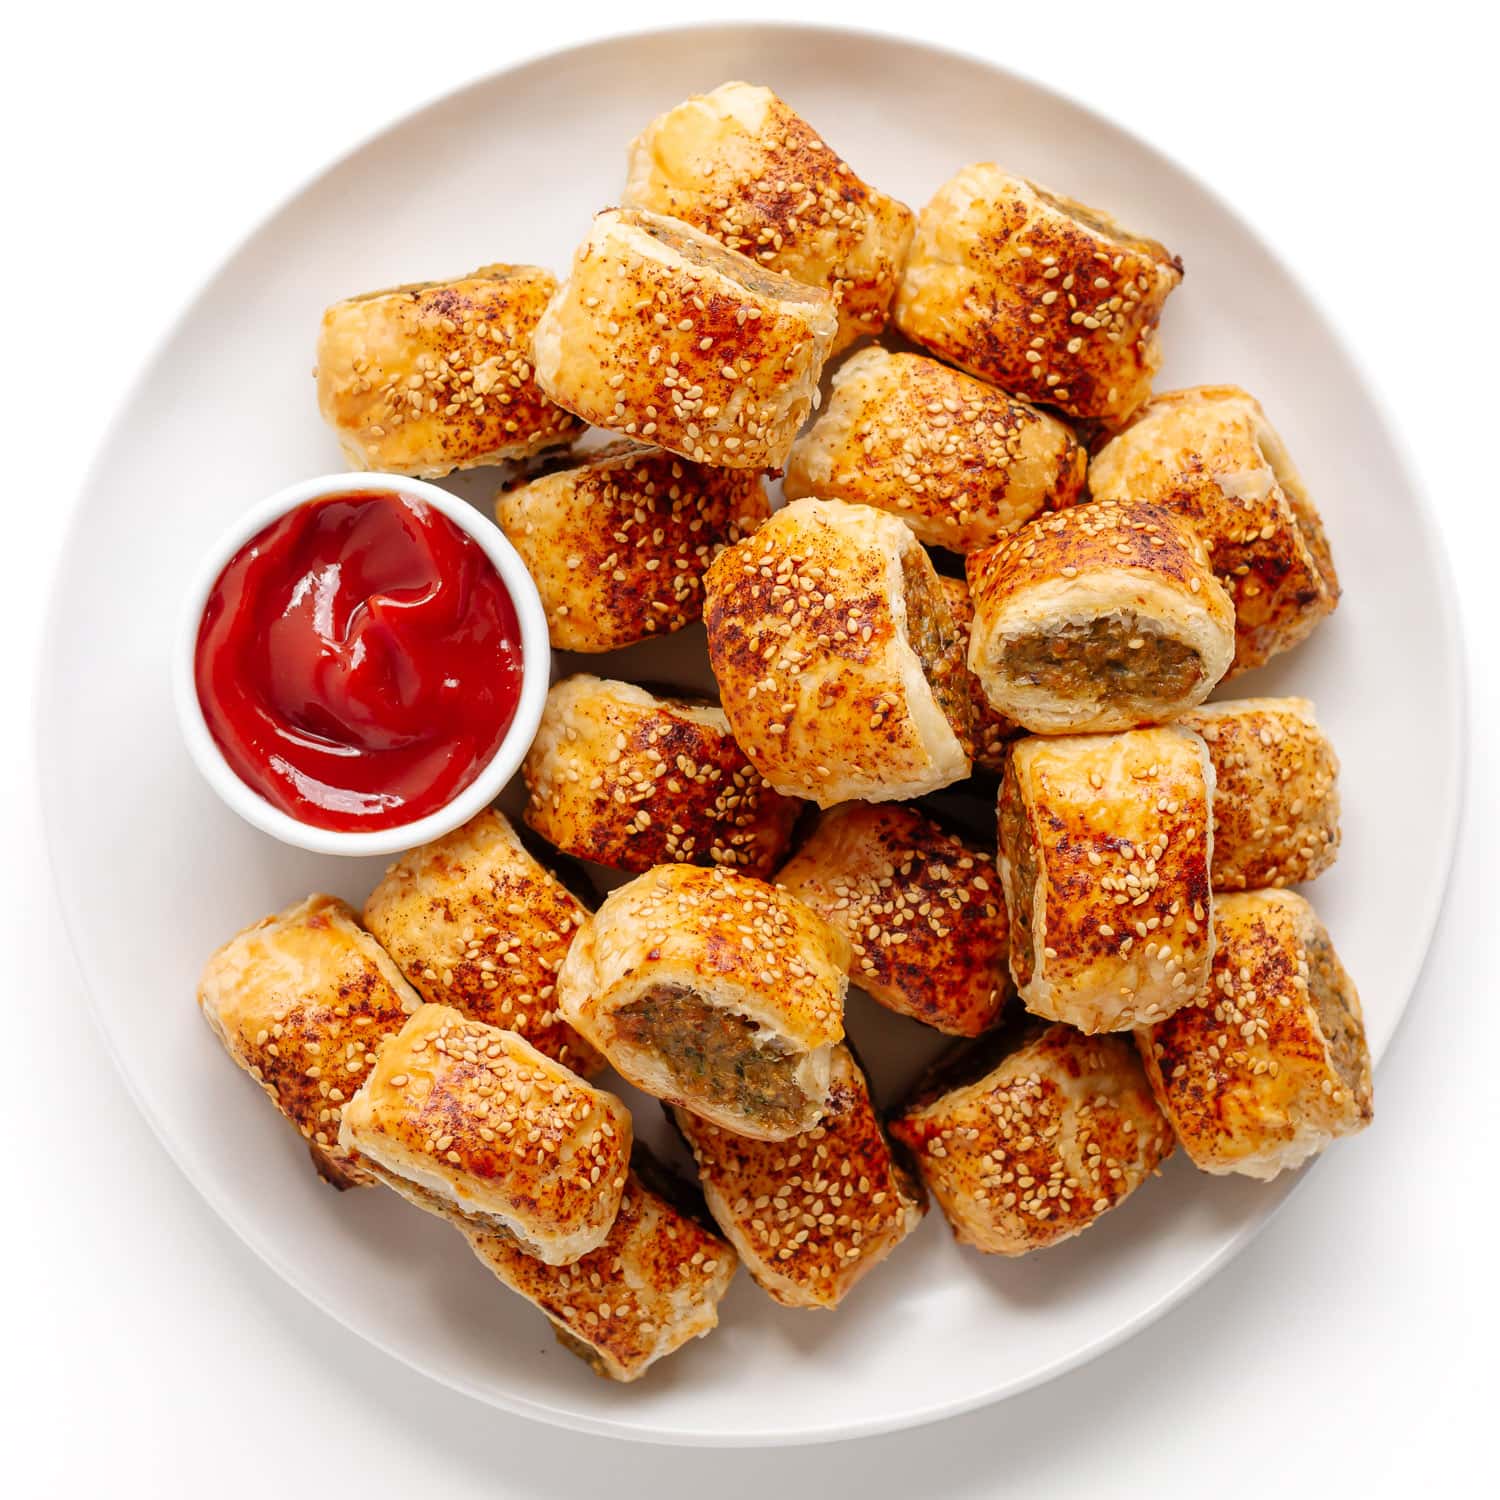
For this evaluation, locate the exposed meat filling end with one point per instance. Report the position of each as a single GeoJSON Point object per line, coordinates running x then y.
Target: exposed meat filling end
{"type": "Point", "coordinates": [1341, 1031]}
{"type": "Point", "coordinates": [1016, 842]}
{"type": "Point", "coordinates": [940, 647]}
{"type": "Point", "coordinates": [1115, 660]}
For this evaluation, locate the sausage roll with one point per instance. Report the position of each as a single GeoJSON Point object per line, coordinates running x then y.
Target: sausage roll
{"type": "Point", "coordinates": [436, 376]}
{"type": "Point", "coordinates": [745, 167]}
{"type": "Point", "coordinates": [715, 992]}
{"type": "Point", "coordinates": [300, 1001]}
{"type": "Point", "coordinates": [654, 1284]}
{"type": "Point", "coordinates": [922, 911]}
{"type": "Point", "coordinates": [1028, 1140]}
{"type": "Point", "coordinates": [1269, 1063]}
{"type": "Point", "coordinates": [469, 1120]}
{"type": "Point", "coordinates": [959, 461]}
{"type": "Point", "coordinates": [1210, 455]}
{"type": "Point", "coordinates": [662, 334]}
{"type": "Point", "coordinates": [626, 779]}
{"type": "Point", "coordinates": [1276, 805]}
{"type": "Point", "coordinates": [809, 1216]}
{"type": "Point", "coordinates": [1101, 617]}
{"type": "Point", "coordinates": [1051, 300]}
{"type": "Point", "coordinates": [476, 923]}
{"type": "Point", "coordinates": [989, 730]}
{"type": "Point", "coordinates": [618, 543]}
{"type": "Point", "coordinates": [837, 657]}
{"type": "Point", "coordinates": [1106, 842]}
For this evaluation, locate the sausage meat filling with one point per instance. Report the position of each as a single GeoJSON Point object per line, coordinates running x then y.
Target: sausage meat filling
{"type": "Point", "coordinates": [940, 646]}
{"type": "Point", "coordinates": [1116, 659]}
{"type": "Point", "coordinates": [1325, 987]}
{"type": "Point", "coordinates": [1016, 842]}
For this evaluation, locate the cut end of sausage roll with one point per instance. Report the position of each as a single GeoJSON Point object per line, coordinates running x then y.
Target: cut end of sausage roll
{"type": "Point", "coordinates": [838, 660]}
{"type": "Point", "coordinates": [437, 376]}
{"type": "Point", "coordinates": [960, 462]}
{"type": "Point", "coordinates": [300, 1000]}
{"type": "Point", "coordinates": [1036, 1147]}
{"type": "Point", "coordinates": [921, 908]}
{"type": "Point", "coordinates": [654, 1284]}
{"type": "Point", "coordinates": [714, 992]}
{"type": "Point", "coordinates": [1048, 298]}
{"type": "Point", "coordinates": [471, 1121]}
{"type": "Point", "coordinates": [990, 731]}
{"type": "Point", "coordinates": [1209, 455]}
{"type": "Point", "coordinates": [1276, 805]}
{"type": "Point", "coordinates": [618, 543]}
{"type": "Point", "coordinates": [743, 166]}
{"type": "Point", "coordinates": [1101, 617]}
{"type": "Point", "coordinates": [629, 780]}
{"type": "Point", "coordinates": [476, 923]}
{"type": "Point", "coordinates": [662, 334]}
{"type": "Point", "coordinates": [1106, 843]}
{"type": "Point", "coordinates": [1268, 1064]}
{"type": "Point", "coordinates": [811, 1215]}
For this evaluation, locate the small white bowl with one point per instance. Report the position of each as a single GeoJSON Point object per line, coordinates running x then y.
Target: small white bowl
{"type": "Point", "coordinates": [536, 665]}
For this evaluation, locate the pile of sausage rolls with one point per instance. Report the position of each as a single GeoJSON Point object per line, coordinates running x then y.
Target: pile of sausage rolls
{"type": "Point", "coordinates": [1001, 561]}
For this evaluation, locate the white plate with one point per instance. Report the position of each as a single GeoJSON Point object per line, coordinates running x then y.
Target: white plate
{"type": "Point", "coordinates": [154, 872]}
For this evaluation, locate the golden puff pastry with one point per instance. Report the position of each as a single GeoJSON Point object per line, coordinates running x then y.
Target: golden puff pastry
{"type": "Point", "coordinates": [743, 166]}
{"type": "Point", "coordinates": [959, 461]}
{"type": "Point", "coordinates": [300, 1001]}
{"type": "Point", "coordinates": [989, 729]}
{"type": "Point", "coordinates": [715, 992]}
{"type": "Point", "coordinates": [1269, 1064]}
{"type": "Point", "coordinates": [1276, 803]}
{"type": "Point", "coordinates": [1101, 617]}
{"type": "Point", "coordinates": [922, 909]}
{"type": "Point", "coordinates": [660, 333]}
{"type": "Point", "coordinates": [1048, 298]}
{"type": "Point", "coordinates": [1209, 455]}
{"type": "Point", "coordinates": [1106, 843]}
{"type": "Point", "coordinates": [618, 542]}
{"type": "Point", "coordinates": [838, 660]}
{"type": "Point", "coordinates": [626, 779]}
{"type": "Point", "coordinates": [811, 1215]}
{"type": "Point", "coordinates": [651, 1287]}
{"type": "Point", "coordinates": [1029, 1139]}
{"type": "Point", "coordinates": [437, 376]}
{"type": "Point", "coordinates": [470, 1120]}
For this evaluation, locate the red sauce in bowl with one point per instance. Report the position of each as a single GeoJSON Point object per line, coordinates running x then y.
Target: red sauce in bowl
{"type": "Point", "coordinates": [359, 661]}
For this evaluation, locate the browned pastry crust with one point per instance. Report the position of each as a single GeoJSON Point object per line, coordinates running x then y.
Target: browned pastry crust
{"type": "Point", "coordinates": [1276, 804]}
{"type": "Point", "coordinates": [1050, 299]}
{"type": "Point", "coordinates": [838, 661]}
{"type": "Point", "coordinates": [470, 1120]}
{"type": "Point", "coordinates": [922, 910]}
{"type": "Point", "coordinates": [436, 376]}
{"type": "Point", "coordinates": [300, 1000]}
{"type": "Point", "coordinates": [1031, 1153]}
{"type": "Point", "coordinates": [476, 923]}
{"type": "Point", "coordinates": [989, 730]}
{"type": "Point", "coordinates": [743, 166]}
{"type": "Point", "coordinates": [1106, 844]}
{"type": "Point", "coordinates": [959, 461]}
{"type": "Point", "coordinates": [660, 333]}
{"type": "Point", "coordinates": [811, 1215]}
{"type": "Point", "coordinates": [1100, 617]}
{"type": "Point", "coordinates": [618, 543]}
{"type": "Point", "coordinates": [1269, 1063]}
{"type": "Point", "coordinates": [654, 1284]}
{"type": "Point", "coordinates": [626, 779]}
{"type": "Point", "coordinates": [1209, 455]}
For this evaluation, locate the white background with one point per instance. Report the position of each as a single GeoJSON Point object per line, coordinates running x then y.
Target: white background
{"type": "Point", "coordinates": [145, 1352]}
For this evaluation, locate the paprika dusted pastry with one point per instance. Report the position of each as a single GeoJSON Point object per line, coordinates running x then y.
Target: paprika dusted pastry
{"type": "Point", "coordinates": [1106, 843]}
{"type": "Point", "coordinates": [300, 1001]}
{"type": "Point", "coordinates": [959, 461]}
{"type": "Point", "coordinates": [437, 376]}
{"type": "Point", "coordinates": [989, 729]}
{"type": "Point", "coordinates": [1050, 299]}
{"type": "Point", "coordinates": [627, 779]}
{"type": "Point", "coordinates": [746, 168]}
{"type": "Point", "coordinates": [715, 992]}
{"type": "Point", "coordinates": [1268, 1064]}
{"type": "Point", "coordinates": [838, 660]}
{"type": "Point", "coordinates": [660, 333]}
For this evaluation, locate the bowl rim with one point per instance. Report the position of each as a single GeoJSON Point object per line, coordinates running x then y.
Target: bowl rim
{"type": "Point", "coordinates": [536, 665]}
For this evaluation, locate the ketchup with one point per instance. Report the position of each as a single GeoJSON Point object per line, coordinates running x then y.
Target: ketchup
{"type": "Point", "coordinates": [359, 661]}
